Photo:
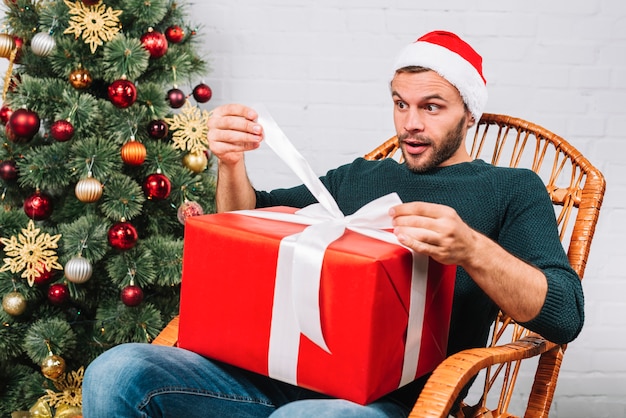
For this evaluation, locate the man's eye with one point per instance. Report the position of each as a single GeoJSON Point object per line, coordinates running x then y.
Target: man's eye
{"type": "Point", "coordinates": [431, 107]}
{"type": "Point", "coordinates": [401, 105]}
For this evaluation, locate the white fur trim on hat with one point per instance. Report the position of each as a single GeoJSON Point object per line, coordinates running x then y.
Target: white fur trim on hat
{"type": "Point", "coordinates": [451, 66]}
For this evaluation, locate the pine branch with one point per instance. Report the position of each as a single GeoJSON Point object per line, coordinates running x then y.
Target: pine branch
{"type": "Point", "coordinates": [86, 236]}
{"type": "Point", "coordinates": [136, 265]}
{"type": "Point", "coordinates": [124, 57]}
{"type": "Point", "coordinates": [55, 332]}
{"type": "Point", "coordinates": [167, 251]}
{"type": "Point", "coordinates": [122, 198]}
{"type": "Point", "coordinates": [140, 15]}
{"type": "Point", "coordinates": [123, 324]}
{"type": "Point", "coordinates": [45, 167]}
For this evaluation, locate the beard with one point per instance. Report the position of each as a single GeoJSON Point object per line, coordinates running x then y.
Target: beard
{"type": "Point", "coordinates": [439, 152]}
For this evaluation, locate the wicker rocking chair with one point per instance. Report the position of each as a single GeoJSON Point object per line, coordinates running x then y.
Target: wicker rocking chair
{"type": "Point", "coordinates": [577, 189]}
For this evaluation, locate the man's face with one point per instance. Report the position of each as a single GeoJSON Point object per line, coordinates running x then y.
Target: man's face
{"type": "Point", "coordinates": [431, 120]}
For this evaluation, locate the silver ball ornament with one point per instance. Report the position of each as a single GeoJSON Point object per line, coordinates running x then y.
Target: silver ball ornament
{"type": "Point", "coordinates": [42, 44]}
{"type": "Point", "coordinates": [78, 270]}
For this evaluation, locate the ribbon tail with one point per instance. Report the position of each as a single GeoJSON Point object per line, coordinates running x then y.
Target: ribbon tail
{"type": "Point", "coordinates": [307, 271]}
{"type": "Point", "coordinates": [284, 342]}
{"type": "Point", "coordinates": [280, 144]}
{"type": "Point", "coordinates": [417, 304]}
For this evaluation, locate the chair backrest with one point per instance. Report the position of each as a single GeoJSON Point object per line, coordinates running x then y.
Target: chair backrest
{"type": "Point", "coordinates": [576, 188]}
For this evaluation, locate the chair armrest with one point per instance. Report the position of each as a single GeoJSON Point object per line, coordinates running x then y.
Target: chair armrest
{"type": "Point", "coordinates": [450, 377]}
{"type": "Point", "coordinates": [168, 335]}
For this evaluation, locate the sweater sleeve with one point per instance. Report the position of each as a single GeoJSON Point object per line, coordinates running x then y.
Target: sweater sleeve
{"type": "Point", "coordinates": [300, 196]}
{"type": "Point", "coordinates": [530, 232]}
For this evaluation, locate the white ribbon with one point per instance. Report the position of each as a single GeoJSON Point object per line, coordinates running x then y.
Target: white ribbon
{"type": "Point", "coordinates": [296, 307]}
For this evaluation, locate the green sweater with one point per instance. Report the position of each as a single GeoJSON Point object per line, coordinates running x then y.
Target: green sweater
{"type": "Point", "coordinates": [510, 206]}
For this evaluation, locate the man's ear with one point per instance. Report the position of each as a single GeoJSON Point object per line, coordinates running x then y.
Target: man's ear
{"type": "Point", "coordinates": [471, 121]}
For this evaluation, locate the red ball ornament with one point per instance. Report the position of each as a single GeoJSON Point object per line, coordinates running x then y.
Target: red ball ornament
{"type": "Point", "coordinates": [58, 294]}
{"type": "Point", "coordinates": [19, 43]}
{"type": "Point", "coordinates": [122, 93]}
{"type": "Point", "coordinates": [5, 114]}
{"type": "Point", "coordinates": [122, 236]}
{"type": "Point", "coordinates": [62, 130]}
{"type": "Point", "coordinates": [133, 153]}
{"type": "Point", "coordinates": [158, 129]}
{"type": "Point", "coordinates": [11, 136]}
{"type": "Point", "coordinates": [157, 186]}
{"type": "Point", "coordinates": [38, 206]}
{"type": "Point", "coordinates": [8, 170]}
{"type": "Point", "coordinates": [45, 275]}
{"type": "Point", "coordinates": [174, 34]}
{"type": "Point", "coordinates": [131, 295]}
{"type": "Point", "coordinates": [202, 93]}
{"type": "Point", "coordinates": [90, 2]}
{"type": "Point", "coordinates": [155, 42]}
{"type": "Point", "coordinates": [24, 123]}
{"type": "Point", "coordinates": [176, 97]}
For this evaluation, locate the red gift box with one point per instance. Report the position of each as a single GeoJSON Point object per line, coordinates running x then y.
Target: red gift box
{"type": "Point", "coordinates": [227, 302]}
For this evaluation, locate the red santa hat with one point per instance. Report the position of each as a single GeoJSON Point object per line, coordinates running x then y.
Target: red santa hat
{"type": "Point", "coordinates": [453, 59]}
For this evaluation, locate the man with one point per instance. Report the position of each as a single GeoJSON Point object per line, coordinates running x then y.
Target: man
{"type": "Point", "coordinates": [496, 224]}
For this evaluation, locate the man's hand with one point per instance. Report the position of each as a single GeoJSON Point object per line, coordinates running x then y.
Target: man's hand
{"type": "Point", "coordinates": [518, 288]}
{"type": "Point", "coordinates": [434, 230]}
{"type": "Point", "coordinates": [232, 130]}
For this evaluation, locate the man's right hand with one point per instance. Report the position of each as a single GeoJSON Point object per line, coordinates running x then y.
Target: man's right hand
{"type": "Point", "coordinates": [232, 131]}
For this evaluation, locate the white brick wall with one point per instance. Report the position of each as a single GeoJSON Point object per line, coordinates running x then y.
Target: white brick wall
{"type": "Point", "coordinates": [322, 67]}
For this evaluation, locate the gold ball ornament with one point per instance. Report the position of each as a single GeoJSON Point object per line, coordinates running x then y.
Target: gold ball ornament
{"type": "Point", "coordinates": [53, 366]}
{"type": "Point", "coordinates": [88, 190]}
{"type": "Point", "coordinates": [42, 44]}
{"type": "Point", "coordinates": [78, 270]}
{"type": "Point", "coordinates": [7, 45]}
{"type": "Point", "coordinates": [14, 303]}
{"type": "Point", "coordinates": [196, 161]}
{"type": "Point", "coordinates": [80, 79]}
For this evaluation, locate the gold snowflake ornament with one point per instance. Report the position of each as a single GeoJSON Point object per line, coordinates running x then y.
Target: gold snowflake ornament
{"type": "Point", "coordinates": [69, 389]}
{"type": "Point", "coordinates": [190, 129]}
{"type": "Point", "coordinates": [95, 23]}
{"type": "Point", "coordinates": [30, 252]}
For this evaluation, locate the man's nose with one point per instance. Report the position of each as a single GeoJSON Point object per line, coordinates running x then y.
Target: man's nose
{"type": "Point", "coordinates": [414, 121]}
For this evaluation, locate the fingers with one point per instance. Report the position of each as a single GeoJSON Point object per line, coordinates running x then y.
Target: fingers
{"type": "Point", "coordinates": [431, 229]}
{"type": "Point", "coordinates": [425, 209]}
{"type": "Point", "coordinates": [235, 117]}
{"type": "Point", "coordinates": [233, 130]}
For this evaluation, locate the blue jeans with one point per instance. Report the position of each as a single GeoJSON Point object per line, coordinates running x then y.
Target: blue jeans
{"type": "Point", "coordinates": [142, 380]}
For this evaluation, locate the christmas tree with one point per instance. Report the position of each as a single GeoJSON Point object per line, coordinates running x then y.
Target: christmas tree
{"type": "Point", "coordinates": [103, 158]}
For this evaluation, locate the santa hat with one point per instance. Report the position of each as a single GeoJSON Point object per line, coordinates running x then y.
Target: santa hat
{"type": "Point", "coordinates": [453, 59]}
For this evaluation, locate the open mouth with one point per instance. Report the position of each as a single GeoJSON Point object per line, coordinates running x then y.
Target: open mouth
{"type": "Point", "coordinates": [415, 147]}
